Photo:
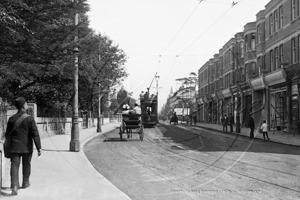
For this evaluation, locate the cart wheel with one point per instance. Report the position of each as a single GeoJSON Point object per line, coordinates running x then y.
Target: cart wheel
{"type": "Point", "coordinates": [121, 133]}
{"type": "Point", "coordinates": [141, 132]}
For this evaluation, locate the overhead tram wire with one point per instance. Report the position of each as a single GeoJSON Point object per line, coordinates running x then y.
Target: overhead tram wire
{"type": "Point", "coordinates": [175, 37]}
{"type": "Point", "coordinates": [181, 27]}
{"type": "Point", "coordinates": [233, 4]}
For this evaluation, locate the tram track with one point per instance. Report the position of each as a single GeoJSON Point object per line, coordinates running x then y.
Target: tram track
{"type": "Point", "coordinates": [228, 170]}
{"type": "Point", "coordinates": [173, 178]}
{"type": "Point", "coordinates": [253, 165]}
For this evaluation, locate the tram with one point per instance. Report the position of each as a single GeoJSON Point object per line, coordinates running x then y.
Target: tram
{"type": "Point", "coordinates": [149, 110]}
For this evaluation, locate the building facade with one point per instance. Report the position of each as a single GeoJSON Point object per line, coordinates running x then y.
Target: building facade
{"type": "Point", "coordinates": [257, 71]}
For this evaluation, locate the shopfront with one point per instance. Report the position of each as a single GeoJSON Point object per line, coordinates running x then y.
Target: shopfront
{"type": "Point", "coordinates": [227, 105]}
{"type": "Point", "coordinates": [278, 100]}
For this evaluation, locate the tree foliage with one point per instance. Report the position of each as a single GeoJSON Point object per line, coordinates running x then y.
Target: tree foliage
{"type": "Point", "coordinates": [36, 54]}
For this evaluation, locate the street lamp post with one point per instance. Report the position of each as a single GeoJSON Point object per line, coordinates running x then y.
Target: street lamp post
{"type": "Point", "coordinates": [75, 143]}
{"type": "Point", "coordinates": [99, 130]}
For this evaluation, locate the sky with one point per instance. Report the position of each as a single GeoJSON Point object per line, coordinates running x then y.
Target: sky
{"type": "Point", "coordinates": [170, 38]}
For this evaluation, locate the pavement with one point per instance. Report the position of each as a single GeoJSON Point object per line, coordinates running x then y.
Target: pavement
{"type": "Point", "coordinates": [280, 137]}
{"type": "Point", "coordinates": [61, 174]}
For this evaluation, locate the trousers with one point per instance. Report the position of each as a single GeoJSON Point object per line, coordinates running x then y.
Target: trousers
{"type": "Point", "coordinates": [15, 165]}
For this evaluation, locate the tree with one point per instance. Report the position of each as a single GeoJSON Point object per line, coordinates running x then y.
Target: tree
{"type": "Point", "coordinates": [39, 63]}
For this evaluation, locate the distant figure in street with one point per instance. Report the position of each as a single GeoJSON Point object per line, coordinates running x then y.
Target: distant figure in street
{"type": "Point", "coordinates": [225, 122]}
{"type": "Point", "coordinates": [142, 95]}
{"type": "Point", "coordinates": [264, 128]}
{"type": "Point", "coordinates": [231, 122]}
{"type": "Point", "coordinates": [22, 132]}
{"type": "Point", "coordinates": [137, 109]}
{"type": "Point", "coordinates": [251, 125]}
{"type": "Point", "coordinates": [146, 96]}
{"type": "Point", "coordinates": [195, 119]}
{"type": "Point", "coordinates": [191, 119]}
{"type": "Point", "coordinates": [148, 111]}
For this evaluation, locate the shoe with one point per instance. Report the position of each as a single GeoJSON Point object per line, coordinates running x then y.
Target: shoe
{"type": "Point", "coordinates": [25, 184]}
{"type": "Point", "coordinates": [14, 190]}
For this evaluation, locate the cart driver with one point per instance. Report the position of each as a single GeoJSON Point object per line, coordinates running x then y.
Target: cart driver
{"type": "Point", "coordinates": [137, 109]}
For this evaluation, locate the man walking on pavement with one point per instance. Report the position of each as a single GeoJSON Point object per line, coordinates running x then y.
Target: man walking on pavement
{"type": "Point", "coordinates": [251, 125]}
{"type": "Point", "coordinates": [21, 131]}
{"type": "Point", "coordinates": [225, 122]}
{"type": "Point", "coordinates": [231, 122]}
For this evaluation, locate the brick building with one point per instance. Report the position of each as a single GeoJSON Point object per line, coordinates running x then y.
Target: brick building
{"type": "Point", "coordinates": [257, 71]}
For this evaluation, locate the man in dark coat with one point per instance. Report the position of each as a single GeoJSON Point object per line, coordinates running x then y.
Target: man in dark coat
{"type": "Point", "coordinates": [231, 122]}
{"type": "Point", "coordinates": [251, 125]}
{"type": "Point", "coordinates": [225, 122]}
{"type": "Point", "coordinates": [21, 144]}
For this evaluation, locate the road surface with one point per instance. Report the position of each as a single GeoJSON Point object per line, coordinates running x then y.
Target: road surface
{"type": "Point", "coordinates": [181, 162]}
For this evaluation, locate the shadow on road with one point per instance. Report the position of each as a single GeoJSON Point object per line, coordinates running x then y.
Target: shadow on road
{"type": "Point", "coordinates": [208, 140]}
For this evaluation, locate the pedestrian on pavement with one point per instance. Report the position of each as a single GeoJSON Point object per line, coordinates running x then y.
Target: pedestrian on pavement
{"type": "Point", "coordinates": [195, 119]}
{"type": "Point", "coordinates": [21, 138]}
{"type": "Point", "coordinates": [264, 128]}
{"type": "Point", "coordinates": [231, 122]}
{"type": "Point", "coordinates": [251, 125]}
{"type": "Point", "coordinates": [191, 119]}
{"type": "Point", "coordinates": [225, 122]}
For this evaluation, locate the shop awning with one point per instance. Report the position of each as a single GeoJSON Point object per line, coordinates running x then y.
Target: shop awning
{"type": "Point", "coordinates": [293, 70]}
{"type": "Point", "coordinates": [257, 83]}
{"type": "Point", "coordinates": [276, 77]}
{"type": "Point", "coordinates": [226, 93]}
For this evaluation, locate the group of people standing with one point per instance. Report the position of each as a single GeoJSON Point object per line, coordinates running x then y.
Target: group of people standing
{"type": "Point", "coordinates": [228, 121]}
{"type": "Point", "coordinates": [251, 124]}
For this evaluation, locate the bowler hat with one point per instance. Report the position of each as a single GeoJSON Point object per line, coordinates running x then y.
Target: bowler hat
{"type": "Point", "coordinates": [19, 102]}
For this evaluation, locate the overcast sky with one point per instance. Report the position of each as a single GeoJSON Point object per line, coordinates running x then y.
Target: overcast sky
{"type": "Point", "coordinates": [170, 37]}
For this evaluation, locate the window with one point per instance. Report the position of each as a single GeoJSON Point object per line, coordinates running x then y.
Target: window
{"type": "Point", "coordinates": [275, 21]}
{"type": "Point", "coordinates": [259, 62]}
{"type": "Point", "coordinates": [281, 55]}
{"type": "Point", "coordinates": [258, 32]}
{"type": "Point", "coordinates": [271, 22]}
{"type": "Point", "coordinates": [298, 48]}
{"type": "Point", "coordinates": [252, 41]}
{"type": "Point", "coordinates": [272, 60]}
{"type": "Point", "coordinates": [293, 9]}
{"type": "Point", "coordinates": [276, 64]}
{"type": "Point", "coordinates": [264, 62]}
{"type": "Point", "coordinates": [242, 49]}
{"type": "Point", "coordinates": [246, 43]}
{"type": "Point", "coordinates": [293, 51]}
{"type": "Point", "coordinates": [298, 7]}
{"type": "Point", "coordinates": [253, 69]}
{"type": "Point", "coordinates": [280, 25]}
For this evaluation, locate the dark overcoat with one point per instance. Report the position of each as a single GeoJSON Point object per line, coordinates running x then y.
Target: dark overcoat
{"type": "Point", "coordinates": [24, 135]}
{"type": "Point", "coordinates": [251, 123]}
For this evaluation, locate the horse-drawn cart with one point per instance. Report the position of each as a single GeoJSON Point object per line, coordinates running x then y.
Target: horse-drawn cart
{"type": "Point", "coordinates": [132, 123]}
